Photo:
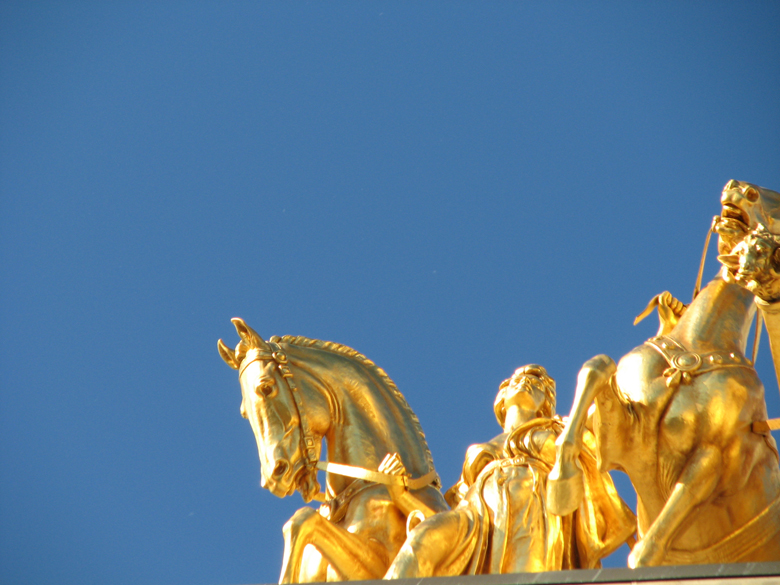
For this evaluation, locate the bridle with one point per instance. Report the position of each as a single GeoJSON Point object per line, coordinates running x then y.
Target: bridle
{"type": "Point", "coordinates": [308, 445]}
{"type": "Point", "coordinates": [308, 442]}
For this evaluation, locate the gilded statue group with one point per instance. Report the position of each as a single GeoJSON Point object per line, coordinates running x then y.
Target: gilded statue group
{"type": "Point", "coordinates": [683, 415]}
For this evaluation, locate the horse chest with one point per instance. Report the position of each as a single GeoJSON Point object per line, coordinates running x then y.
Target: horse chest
{"type": "Point", "coordinates": [660, 421]}
{"type": "Point", "coordinates": [677, 439]}
{"type": "Point", "coordinates": [681, 424]}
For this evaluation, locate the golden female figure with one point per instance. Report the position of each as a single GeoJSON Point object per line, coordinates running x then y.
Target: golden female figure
{"type": "Point", "coordinates": [499, 522]}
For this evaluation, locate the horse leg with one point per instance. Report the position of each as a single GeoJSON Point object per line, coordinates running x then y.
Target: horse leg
{"type": "Point", "coordinates": [347, 553]}
{"type": "Point", "coordinates": [441, 545]}
{"type": "Point", "coordinates": [565, 488]}
{"type": "Point", "coordinates": [695, 484]}
{"type": "Point", "coordinates": [314, 568]}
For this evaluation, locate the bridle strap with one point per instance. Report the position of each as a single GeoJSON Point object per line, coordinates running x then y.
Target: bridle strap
{"type": "Point", "coordinates": [308, 444]}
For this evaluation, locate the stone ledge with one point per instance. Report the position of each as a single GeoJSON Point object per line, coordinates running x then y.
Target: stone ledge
{"type": "Point", "coordinates": [731, 574]}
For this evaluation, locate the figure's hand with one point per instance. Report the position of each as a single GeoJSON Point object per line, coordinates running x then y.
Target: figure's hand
{"type": "Point", "coordinates": [646, 553]}
{"type": "Point", "coordinates": [392, 465]}
{"type": "Point", "coordinates": [670, 310]}
{"type": "Point", "coordinates": [402, 497]}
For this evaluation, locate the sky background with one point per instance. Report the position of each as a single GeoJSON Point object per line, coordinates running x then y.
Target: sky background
{"type": "Point", "coordinates": [453, 189]}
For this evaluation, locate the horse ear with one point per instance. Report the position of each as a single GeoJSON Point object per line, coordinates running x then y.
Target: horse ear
{"type": "Point", "coordinates": [247, 334]}
{"type": "Point", "coordinates": [729, 260]}
{"type": "Point", "coordinates": [228, 355]}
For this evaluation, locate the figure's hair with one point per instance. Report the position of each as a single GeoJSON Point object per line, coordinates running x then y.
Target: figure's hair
{"type": "Point", "coordinates": [547, 410]}
{"type": "Point", "coordinates": [338, 348]}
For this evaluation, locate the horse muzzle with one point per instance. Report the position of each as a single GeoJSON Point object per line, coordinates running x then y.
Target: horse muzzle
{"type": "Point", "coordinates": [284, 477]}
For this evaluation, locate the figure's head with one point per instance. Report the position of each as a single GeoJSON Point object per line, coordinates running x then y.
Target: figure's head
{"type": "Point", "coordinates": [267, 403]}
{"type": "Point", "coordinates": [530, 388]}
{"type": "Point", "coordinates": [744, 207]}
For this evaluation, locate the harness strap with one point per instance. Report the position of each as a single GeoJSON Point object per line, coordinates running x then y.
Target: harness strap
{"type": "Point", "coordinates": [684, 364]}
{"type": "Point", "coordinates": [334, 509]}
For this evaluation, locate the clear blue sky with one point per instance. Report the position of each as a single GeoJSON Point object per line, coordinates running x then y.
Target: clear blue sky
{"type": "Point", "coordinates": [454, 189]}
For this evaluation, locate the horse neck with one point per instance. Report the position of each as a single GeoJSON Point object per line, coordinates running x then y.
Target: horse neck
{"type": "Point", "coordinates": [719, 318]}
{"type": "Point", "coordinates": [372, 427]}
{"type": "Point", "coordinates": [373, 421]}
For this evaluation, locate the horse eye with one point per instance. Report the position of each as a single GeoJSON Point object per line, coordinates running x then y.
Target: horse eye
{"type": "Point", "coordinates": [266, 388]}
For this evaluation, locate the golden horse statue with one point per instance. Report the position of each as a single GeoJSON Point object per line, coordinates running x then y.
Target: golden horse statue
{"type": "Point", "coordinates": [297, 392]}
{"type": "Point", "coordinates": [684, 414]}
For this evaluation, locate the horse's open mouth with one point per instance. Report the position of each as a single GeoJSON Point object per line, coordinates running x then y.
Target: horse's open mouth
{"type": "Point", "coordinates": [289, 483]}
{"type": "Point", "coordinates": [731, 225]}
{"type": "Point", "coordinates": [732, 213]}
{"type": "Point", "coordinates": [305, 481]}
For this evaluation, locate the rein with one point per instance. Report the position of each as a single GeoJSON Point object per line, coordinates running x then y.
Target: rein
{"type": "Point", "coordinates": [697, 287]}
{"type": "Point", "coordinates": [308, 442]}
{"type": "Point", "coordinates": [378, 476]}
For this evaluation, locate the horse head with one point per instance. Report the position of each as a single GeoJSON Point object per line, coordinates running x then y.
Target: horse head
{"type": "Point", "coordinates": [287, 445]}
{"type": "Point", "coordinates": [754, 263]}
{"type": "Point", "coordinates": [745, 206]}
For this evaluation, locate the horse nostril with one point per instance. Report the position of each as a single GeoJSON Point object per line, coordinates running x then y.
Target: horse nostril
{"type": "Point", "coordinates": [280, 468]}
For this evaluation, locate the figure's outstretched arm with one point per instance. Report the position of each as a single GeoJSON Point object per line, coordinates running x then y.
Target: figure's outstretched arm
{"type": "Point", "coordinates": [565, 487]}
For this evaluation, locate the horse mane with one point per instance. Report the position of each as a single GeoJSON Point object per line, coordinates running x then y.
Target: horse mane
{"type": "Point", "coordinates": [338, 348]}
